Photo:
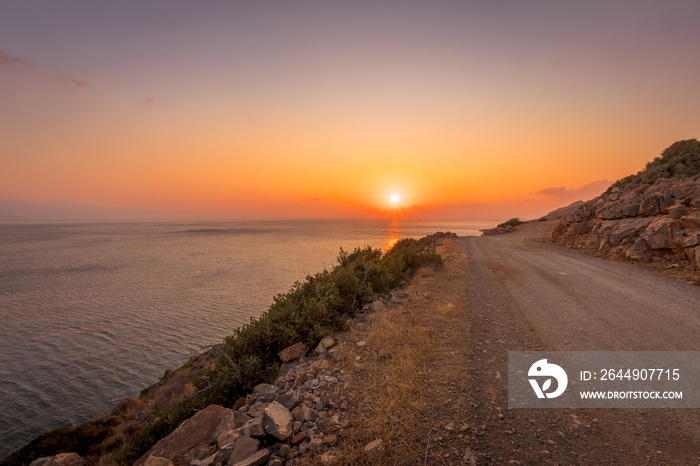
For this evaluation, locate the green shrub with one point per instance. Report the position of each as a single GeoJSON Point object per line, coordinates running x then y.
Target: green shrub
{"type": "Point", "coordinates": [309, 311]}
{"type": "Point", "coordinates": [513, 222]}
{"type": "Point", "coordinates": [680, 159]}
{"type": "Point", "coordinates": [85, 439]}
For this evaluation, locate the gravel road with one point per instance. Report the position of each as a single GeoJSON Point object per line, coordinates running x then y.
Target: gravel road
{"type": "Point", "coordinates": [527, 295]}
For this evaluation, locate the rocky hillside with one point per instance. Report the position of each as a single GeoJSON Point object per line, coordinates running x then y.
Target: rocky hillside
{"type": "Point", "coordinates": [651, 216]}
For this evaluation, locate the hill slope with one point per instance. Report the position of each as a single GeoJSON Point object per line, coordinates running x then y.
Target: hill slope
{"type": "Point", "coordinates": [651, 216]}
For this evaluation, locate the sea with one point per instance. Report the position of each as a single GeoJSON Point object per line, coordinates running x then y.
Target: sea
{"type": "Point", "coordinates": [91, 313]}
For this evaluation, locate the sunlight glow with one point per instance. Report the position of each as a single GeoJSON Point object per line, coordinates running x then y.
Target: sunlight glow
{"type": "Point", "coordinates": [395, 199]}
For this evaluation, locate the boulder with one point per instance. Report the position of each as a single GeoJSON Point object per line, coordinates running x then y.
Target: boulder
{"type": "Point", "coordinates": [244, 447]}
{"type": "Point", "coordinates": [254, 427]}
{"type": "Point", "coordinates": [277, 421]}
{"type": "Point", "coordinates": [256, 459]}
{"type": "Point", "coordinates": [158, 461]}
{"type": "Point", "coordinates": [293, 352]}
{"type": "Point", "coordinates": [195, 439]}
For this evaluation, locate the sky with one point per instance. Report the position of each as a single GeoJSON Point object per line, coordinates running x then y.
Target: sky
{"type": "Point", "coordinates": [327, 109]}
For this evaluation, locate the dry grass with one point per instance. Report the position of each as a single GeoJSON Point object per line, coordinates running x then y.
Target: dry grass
{"type": "Point", "coordinates": [405, 368]}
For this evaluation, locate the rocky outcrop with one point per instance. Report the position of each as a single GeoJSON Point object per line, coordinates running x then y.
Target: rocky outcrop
{"type": "Point", "coordinates": [298, 416]}
{"type": "Point", "coordinates": [646, 222]}
{"type": "Point", "coordinates": [195, 437]}
{"type": "Point", "coordinates": [62, 459]}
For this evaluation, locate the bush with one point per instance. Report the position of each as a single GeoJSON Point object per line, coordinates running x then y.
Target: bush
{"type": "Point", "coordinates": [310, 311]}
{"type": "Point", "coordinates": [680, 159]}
{"type": "Point", "coordinates": [85, 439]}
{"type": "Point", "coordinates": [513, 222]}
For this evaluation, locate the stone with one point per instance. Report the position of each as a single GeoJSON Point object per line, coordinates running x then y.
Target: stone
{"type": "Point", "coordinates": [328, 458]}
{"type": "Point", "coordinates": [658, 234]}
{"type": "Point", "coordinates": [321, 364]}
{"type": "Point", "coordinates": [288, 400]}
{"type": "Point", "coordinates": [261, 388]}
{"type": "Point", "coordinates": [195, 439]}
{"type": "Point", "coordinates": [244, 447]}
{"type": "Point", "coordinates": [375, 450]}
{"type": "Point", "coordinates": [309, 414]}
{"type": "Point", "coordinates": [328, 342]}
{"type": "Point", "coordinates": [228, 436]}
{"type": "Point", "coordinates": [257, 459]}
{"type": "Point", "coordinates": [330, 440]}
{"type": "Point", "coordinates": [62, 459]}
{"type": "Point", "coordinates": [377, 306]}
{"type": "Point", "coordinates": [254, 427]}
{"type": "Point", "coordinates": [293, 352]}
{"type": "Point", "coordinates": [298, 438]}
{"type": "Point", "coordinates": [315, 444]}
{"type": "Point", "coordinates": [690, 221]}
{"type": "Point", "coordinates": [677, 211]}
{"type": "Point", "coordinates": [298, 413]}
{"type": "Point", "coordinates": [158, 461]}
{"type": "Point", "coordinates": [384, 354]}
{"type": "Point", "coordinates": [220, 457]}
{"type": "Point", "coordinates": [277, 421]}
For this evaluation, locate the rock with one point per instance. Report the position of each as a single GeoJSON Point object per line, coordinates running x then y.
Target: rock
{"type": "Point", "coordinates": [62, 459]}
{"type": "Point", "coordinates": [256, 459]}
{"type": "Point", "coordinates": [690, 221]}
{"type": "Point", "coordinates": [330, 440]}
{"type": "Point", "coordinates": [158, 461]}
{"type": "Point", "coordinates": [277, 421]}
{"type": "Point", "coordinates": [293, 352]}
{"type": "Point", "coordinates": [328, 342]}
{"type": "Point", "coordinates": [244, 447]}
{"type": "Point", "coordinates": [228, 436]}
{"type": "Point", "coordinates": [288, 400]}
{"type": "Point", "coordinates": [298, 413]}
{"type": "Point", "coordinates": [384, 354]}
{"type": "Point", "coordinates": [298, 438]}
{"type": "Point", "coordinates": [254, 427]}
{"type": "Point", "coordinates": [328, 458]}
{"type": "Point", "coordinates": [321, 364]}
{"type": "Point", "coordinates": [220, 457]}
{"type": "Point", "coordinates": [347, 326]}
{"type": "Point", "coordinates": [377, 306]}
{"type": "Point", "coordinates": [375, 450]}
{"type": "Point", "coordinates": [309, 414]}
{"type": "Point", "coordinates": [264, 388]}
{"type": "Point", "coordinates": [315, 444]}
{"type": "Point", "coordinates": [195, 439]}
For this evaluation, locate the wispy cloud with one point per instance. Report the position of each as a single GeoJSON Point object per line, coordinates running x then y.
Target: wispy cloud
{"type": "Point", "coordinates": [584, 192]}
{"type": "Point", "coordinates": [7, 59]}
{"type": "Point", "coordinates": [80, 83]}
{"type": "Point", "coordinates": [149, 100]}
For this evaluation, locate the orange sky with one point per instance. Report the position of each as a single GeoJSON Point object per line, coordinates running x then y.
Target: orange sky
{"type": "Point", "coordinates": [467, 111]}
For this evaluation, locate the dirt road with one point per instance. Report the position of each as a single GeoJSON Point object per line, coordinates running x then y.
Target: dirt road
{"type": "Point", "coordinates": [526, 295]}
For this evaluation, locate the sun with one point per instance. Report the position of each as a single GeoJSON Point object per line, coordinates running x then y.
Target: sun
{"type": "Point", "coordinates": [395, 199]}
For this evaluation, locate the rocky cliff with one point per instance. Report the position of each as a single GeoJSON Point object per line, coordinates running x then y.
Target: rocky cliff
{"type": "Point", "coordinates": [651, 216]}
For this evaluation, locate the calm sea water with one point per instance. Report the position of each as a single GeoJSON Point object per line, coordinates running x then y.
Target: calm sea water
{"type": "Point", "coordinates": [91, 313]}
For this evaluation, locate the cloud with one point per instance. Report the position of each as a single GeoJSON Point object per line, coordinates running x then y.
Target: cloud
{"type": "Point", "coordinates": [149, 100]}
{"type": "Point", "coordinates": [80, 83]}
{"type": "Point", "coordinates": [314, 199]}
{"type": "Point", "coordinates": [585, 192]}
{"type": "Point", "coordinates": [7, 59]}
